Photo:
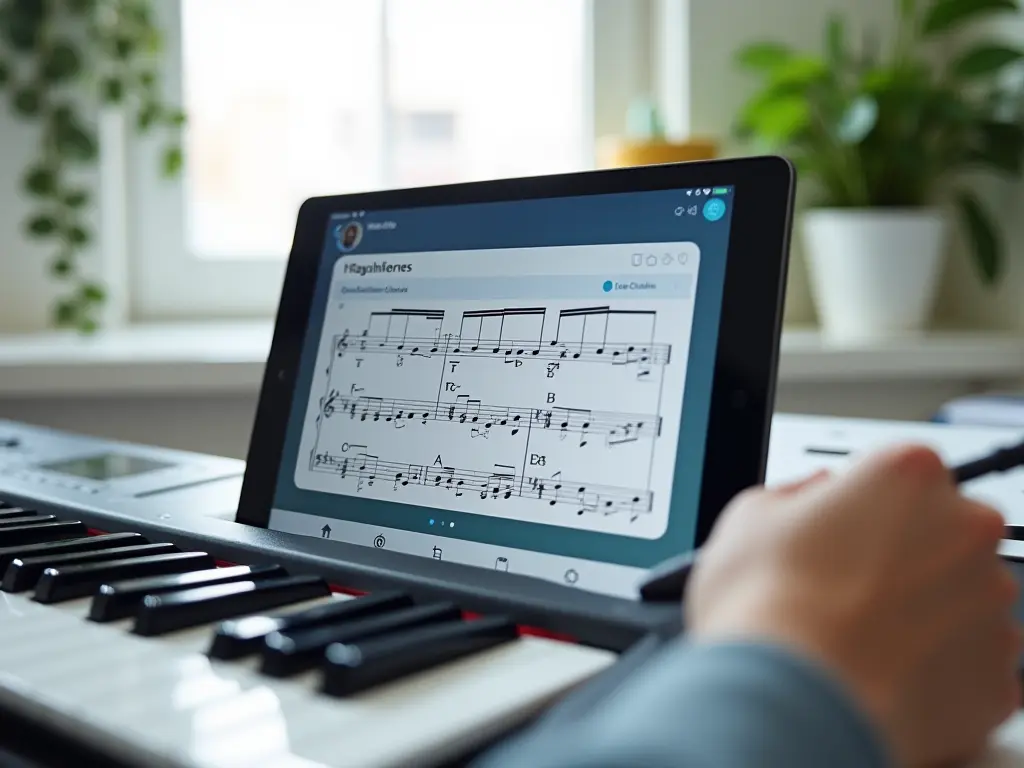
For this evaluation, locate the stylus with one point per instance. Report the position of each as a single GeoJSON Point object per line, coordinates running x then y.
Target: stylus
{"type": "Point", "coordinates": [666, 582]}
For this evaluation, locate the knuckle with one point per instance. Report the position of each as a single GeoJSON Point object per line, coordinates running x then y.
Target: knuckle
{"type": "Point", "coordinates": [915, 460]}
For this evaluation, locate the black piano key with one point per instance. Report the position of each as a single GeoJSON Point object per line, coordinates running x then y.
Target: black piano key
{"type": "Point", "coordinates": [238, 637]}
{"type": "Point", "coordinates": [121, 599]}
{"type": "Point", "coordinates": [351, 668]}
{"type": "Point", "coordinates": [9, 512]}
{"type": "Point", "coordinates": [73, 581]}
{"type": "Point", "coordinates": [34, 534]}
{"type": "Point", "coordinates": [160, 614]}
{"type": "Point", "coordinates": [84, 544]}
{"type": "Point", "coordinates": [23, 573]}
{"type": "Point", "coordinates": [26, 518]}
{"type": "Point", "coordinates": [288, 653]}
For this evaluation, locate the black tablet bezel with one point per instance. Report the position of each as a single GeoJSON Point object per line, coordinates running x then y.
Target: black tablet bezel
{"type": "Point", "coordinates": [746, 359]}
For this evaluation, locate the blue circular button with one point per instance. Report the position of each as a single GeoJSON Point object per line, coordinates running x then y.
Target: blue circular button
{"type": "Point", "coordinates": [714, 209]}
{"type": "Point", "coordinates": [608, 285]}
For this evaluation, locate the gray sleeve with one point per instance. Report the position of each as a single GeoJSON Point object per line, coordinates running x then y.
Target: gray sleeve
{"type": "Point", "coordinates": [732, 705]}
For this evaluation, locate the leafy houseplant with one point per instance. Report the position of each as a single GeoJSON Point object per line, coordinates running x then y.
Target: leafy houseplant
{"type": "Point", "coordinates": [887, 137]}
{"type": "Point", "coordinates": [61, 61]}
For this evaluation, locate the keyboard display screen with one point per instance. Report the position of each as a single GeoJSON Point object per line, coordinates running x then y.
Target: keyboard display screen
{"type": "Point", "coordinates": [519, 386]}
{"type": "Point", "coordinates": [105, 466]}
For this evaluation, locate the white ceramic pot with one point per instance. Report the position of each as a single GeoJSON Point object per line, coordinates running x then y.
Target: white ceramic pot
{"type": "Point", "coordinates": [873, 272]}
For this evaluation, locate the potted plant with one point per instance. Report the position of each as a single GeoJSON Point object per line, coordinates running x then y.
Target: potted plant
{"type": "Point", "coordinates": [886, 137]}
{"type": "Point", "coordinates": [61, 66]}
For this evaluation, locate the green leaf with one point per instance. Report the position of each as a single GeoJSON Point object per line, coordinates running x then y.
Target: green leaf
{"type": "Point", "coordinates": [858, 120]}
{"type": "Point", "coordinates": [34, 9]}
{"type": "Point", "coordinates": [799, 71]}
{"type": "Point", "coordinates": [148, 115]}
{"type": "Point", "coordinates": [124, 47]}
{"type": "Point", "coordinates": [763, 56]}
{"type": "Point", "coordinates": [21, 26]}
{"type": "Point", "coordinates": [75, 140]}
{"type": "Point", "coordinates": [982, 233]}
{"type": "Point", "coordinates": [93, 293]}
{"type": "Point", "coordinates": [41, 225]}
{"type": "Point", "coordinates": [77, 235]}
{"type": "Point", "coordinates": [76, 198]}
{"type": "Point", "coordinates": [87, 325]}
{"type": "Point", "coordinates": [173, 160]}
{"type": "Point", "coordinates": [112, 90]}
{"type": "Point", "coordinates": [780, 120]}
{"type": "Point", "coordinates": [61, 266]}
{"type": "Point", "coordinates": [66, 312]}
{"type": "Point", "coordinates": [5, 72]}
{"type": "Point", "coordinates": [26, 102]}
{"type": "Point", "coordinates": [81, 6]}
{"type": "Point", "coordinates": [61, 63]}
{"type": "Point", "coordinates": [176, 117]}
{"type": "Point", "coordinates": [835, 41]}
{"type": "Point", "coordinates": [944, 15]}
{"type": "Point", "coordinates": [985, 59]}
{"type": "Point", "coordinates": [40, 181]}
{"type": "Point", "coordinates": [1000, 147]}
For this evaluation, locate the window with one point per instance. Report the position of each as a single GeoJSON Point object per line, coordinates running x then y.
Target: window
{"type": "Point", "coordinates": [293, 98]}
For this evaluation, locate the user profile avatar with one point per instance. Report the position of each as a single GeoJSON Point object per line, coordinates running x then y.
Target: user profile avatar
{"type": "Point", "coordinates": [348, 236]}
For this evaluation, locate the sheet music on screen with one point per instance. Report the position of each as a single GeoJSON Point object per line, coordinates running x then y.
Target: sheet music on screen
{"type": "Point", "coordinates": [457, 385]}
{"type": "Point", "coordinates": [521, 385]}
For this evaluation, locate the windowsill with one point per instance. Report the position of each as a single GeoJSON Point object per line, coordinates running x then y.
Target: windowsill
{"type": "Point", "coordinates": [228, 358]}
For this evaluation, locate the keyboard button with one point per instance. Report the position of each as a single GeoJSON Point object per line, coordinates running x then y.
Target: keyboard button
{"type": "Point", "coordinates": [238, 637]}
{"type": "Point", "coordinates": [23, 574]}
{"type": "Point", "coordinates": [68, 582]}
{"type": "Point", "coordinates": [26, 518]}
{"type": "Point", "coordinates": [85, 544]}
{"type": "Point", "coordinates": [34, 534]}
{"type": "Point", "coordinates": [288, 653]}
{"type": "Point", "coordinates": [355, 667]}
{"type": "Point", "coordinates": [8, 512]}
{"type": "Point", "coordinates": [121, 599]}
{"type": "Point", "coordinates": [160, 614]}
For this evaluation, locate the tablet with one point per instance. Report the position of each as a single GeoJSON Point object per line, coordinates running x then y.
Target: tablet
{"type": "Point", "coordinates": [565, 377]}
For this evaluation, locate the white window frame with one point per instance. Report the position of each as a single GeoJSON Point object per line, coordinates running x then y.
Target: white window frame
{"type": "Point", "coordinates": [145, 212]}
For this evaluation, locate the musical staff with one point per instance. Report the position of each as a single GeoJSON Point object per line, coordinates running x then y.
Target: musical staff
{"type": "Point", "coordinates": [615, 353]}
{"type": "Point", "coordinates": [617, 428]}
{"type": "Point", "coordinates": [517, 333]}
{"type": "Point", "coordinates": [502, 483]}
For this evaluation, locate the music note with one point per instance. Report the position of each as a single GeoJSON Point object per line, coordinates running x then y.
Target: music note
{"type": "Point", "coordinates": [368, 467]}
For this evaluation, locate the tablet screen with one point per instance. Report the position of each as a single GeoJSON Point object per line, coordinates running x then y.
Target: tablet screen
{"type": "Point", "coordinates": [521, 386]}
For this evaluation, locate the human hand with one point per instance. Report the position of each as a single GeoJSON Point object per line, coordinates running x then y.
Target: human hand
{"type": "Point", "coordinates": [886, 576]}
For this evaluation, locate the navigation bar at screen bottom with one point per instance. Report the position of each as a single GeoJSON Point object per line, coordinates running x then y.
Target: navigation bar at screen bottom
{"type": "Point", "coordinates": [589, 575]}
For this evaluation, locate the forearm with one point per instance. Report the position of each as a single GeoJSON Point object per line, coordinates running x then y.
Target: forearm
{"type": "Point", "coordinates": [719, 707]}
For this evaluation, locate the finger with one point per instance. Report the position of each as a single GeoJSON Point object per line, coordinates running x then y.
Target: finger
{"type": "Point", "coordinates": [806, 482]}
{"type": "Point", "coordinates": [988, 522]}
{"type": "Point", "coordinates": [909, 462]}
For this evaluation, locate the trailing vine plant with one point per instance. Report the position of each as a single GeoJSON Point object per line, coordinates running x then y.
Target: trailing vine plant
{"type": "Point", "coordinates": [61, 61]}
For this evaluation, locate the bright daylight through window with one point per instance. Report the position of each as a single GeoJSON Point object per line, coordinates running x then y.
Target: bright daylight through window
{"type": "Point", "coordinates": [293, 98]}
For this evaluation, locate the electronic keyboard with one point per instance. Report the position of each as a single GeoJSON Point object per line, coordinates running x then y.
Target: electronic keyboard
{"type": "Point", "coordinates": [142, 626]}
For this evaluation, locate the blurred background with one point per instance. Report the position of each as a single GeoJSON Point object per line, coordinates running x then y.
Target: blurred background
{"type": "Point", "coordinates": [153, 156]}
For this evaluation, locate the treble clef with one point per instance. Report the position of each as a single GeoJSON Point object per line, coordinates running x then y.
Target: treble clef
{"type": "Point", "coordinates": [342, 346]}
